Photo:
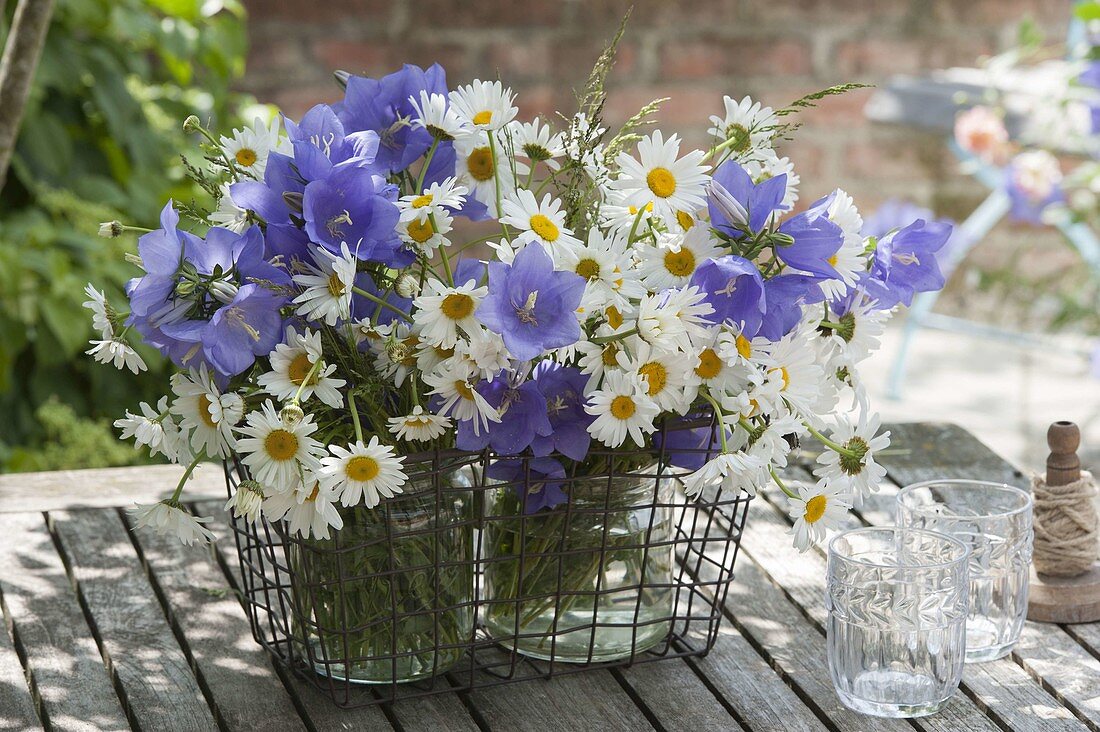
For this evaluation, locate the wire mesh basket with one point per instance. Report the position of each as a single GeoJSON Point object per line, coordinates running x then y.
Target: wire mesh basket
{"type": "Point", "coordinates": [490, 570]}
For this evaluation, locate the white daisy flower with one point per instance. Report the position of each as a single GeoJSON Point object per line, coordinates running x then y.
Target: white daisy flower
{"type": "Point", "coordinates": [277, 453]}
{"type": "Point", "coordinates": [713, 372]}
{"type": "Point", "coordinates": [484, 353]}
{"type": "Point", "coordinates": [435, 200]}
{"type": "Point", "coordinates": [359, 472]}
{"type": "Point", "coordinates": [537, 143]}
{"type": "Point", "coordinates": [478, 169]}
{"type": "Point", "coordinates": [848, 260]}
{"type": "Point", "coordinates": [426, 234]}
{"type": "Point", "coordinates": [748, 124]}
{"type": "Point", "coordinates": [732, 472]}
{"type": "Point", "coordinates": [434, 114]}
{"type": "Point", "coordinates": [328, 286]}
{"type": "Point", "coordinates": [621, 218]}
{"type": "Point", "coordinates": [670, 320]}
{"type": "Point", "coordinates": [597, 359]}
{"type": "Point", "coordinates": [170, 518]}
{"type": "Point", "coordinates": [311, 513]}
{"type": "Point", "coordinates": [855, 469]}
{"type": "Point", "coordinates": [206, 414]}
{"type": "Point", "coordinates": [97, 303]}
{"type": "Point", "coordinates": [673, 261]}
{"type": "Point", "coordinates": [118, 353]}
{"type": "Point", "coordinates": [664, 374]}
{"type": "Point", "coordinates": [793, 369]}
{"type": "Point", "coordinates": [153, 428]}
{"type": "Point", "coordinates": [250, 146]}
{"type": "Point", "coordinates": [291, 364]}
{"type": "Point", "coordinates": [247, 501]}
{"type": "Point", "coordinates": [484, 105]}
{"type": "Point", "coordinates": [621, 408]}
{"type": "Point", "coordinates": [428, 357]}
{"type": "Point", "coordinates": [229, 215]}
{"type": "Point", "coordinates": [419, 426]}
{"type": "Point", "coordinates": [542, 222]}
{"type": "Point", "coordinates": [441, 310]}
{"type": "Point", "coordinates": [461, 400]}
{"type": "Point", "coordinates": [607, 267]}
{"type": "Point", "coordinates": [766, 164]}
{"type": "Point", "coordinates": [817, 509]}
{"type": "Point", "coordinates": [859, 332]}
{"type": "Point", "coordinates": [395, 357]}
{"type": "Point", "coordinates": [672, 184]}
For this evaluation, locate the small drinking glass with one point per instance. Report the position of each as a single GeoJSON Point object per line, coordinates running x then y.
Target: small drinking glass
{"type": "Point", "coordinates": [897, 603]}
{"type": "Point", "coordinates": [995, 521]}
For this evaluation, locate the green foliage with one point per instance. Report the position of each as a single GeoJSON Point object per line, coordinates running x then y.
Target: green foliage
{"type": "Point", "coordinates": [71, 441]}
{"type": "Point", "coordinates": [100, 140]}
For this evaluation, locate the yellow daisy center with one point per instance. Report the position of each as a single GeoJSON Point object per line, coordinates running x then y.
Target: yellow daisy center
{"type": "Point", "coordinates": [685, 220]}
{"type": "Point", "coordinates": [622, 407]}
{"type": "Point", "coordinates": [464, 390]}
{"type": "Point", "coordinates": [422, 201]}
{"type": "Point", "coordinates": [483, 117]}
{"type": "Point", "coordinates": [832, 261]}
{"type": "Point", "coordinates": [457, 306]}
{"type": "Point", "coordinates": [246, 157]}
{"type": "Point", "coordinates": [656, 376]}
{"type": "Point", "coordinates": [362, 468]}
{"type": "Point", "coordinates": [634, 209]}
{"type": "Point", "coordinates": [204, 411]}
{"type": "Point", "coordinates": [614, 317]}
{"type": "Point", "coordinates": [545, 228]}
{"type": "Point", "coordinates": [744, 346]}
{"type": "Point", "coordinates": [299, 368]}
{"type": "Point", "coordinates": [416, 422]}
{"type": "Point", "coordinates": [661, 182]}
{"type": "Point", "coordinates": [443, 352]}
{"type": "Point", "coordinates": [420, 231]}
{"type": "Point", "coordinates": [610, 355]}
{"type": "Point", "coordinates": [281, 445]}
{"type": "Point", "coordinates": [815, 509]}
{"type": "Point", "coordinates": [785, 375]}
{"type": "Point", "coordinates": [709, 364]}
{"type": "Point", "coordinates": [335, 285]}
{"type": "Point", "coordinates": [681, 263]}
{"type": "Point", "coordinates": [588, 269]}
{"type": "Point", "coordinates": [480, 164]}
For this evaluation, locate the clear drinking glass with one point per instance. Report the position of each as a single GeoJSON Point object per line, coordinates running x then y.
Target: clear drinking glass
{"type": "Point", "coordinates": [897, 603]}
{"type": "Point", "coordinates": [995, 521]}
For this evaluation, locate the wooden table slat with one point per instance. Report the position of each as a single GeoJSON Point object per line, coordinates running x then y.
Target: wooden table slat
{"type": "Point", "coordinates": [71, 681]}
{"type": "Point", "coordinates": [17, 711]}
{"type": "Point", "coordinates": [161, 692]}
{"type": "Point", "coordinates": [245, 692]}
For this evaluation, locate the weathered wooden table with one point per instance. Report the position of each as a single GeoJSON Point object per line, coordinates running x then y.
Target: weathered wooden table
{"type": "Point", "coordinates": [109, 629]}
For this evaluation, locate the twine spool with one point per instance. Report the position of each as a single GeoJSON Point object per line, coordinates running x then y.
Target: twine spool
{"type": "Point", "coordinates": [1067, 529]}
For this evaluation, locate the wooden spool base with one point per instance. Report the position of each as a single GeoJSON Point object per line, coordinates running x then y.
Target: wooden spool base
{"type": "Point", "coordinates": [1065, 599]}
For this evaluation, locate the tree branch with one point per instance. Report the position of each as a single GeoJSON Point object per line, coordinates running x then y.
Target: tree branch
{"type": "Point", "coordinates": [21, 53]}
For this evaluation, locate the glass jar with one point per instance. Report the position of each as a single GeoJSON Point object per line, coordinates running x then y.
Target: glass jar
{"type": "Point", "coordinates": [587, 580]}
{"type": "Point", "coordinates": [389, 598]}
{"type": "Point", "coordinates": [995, 521]}
{"type": "Point", "coordinates": [896, 632]}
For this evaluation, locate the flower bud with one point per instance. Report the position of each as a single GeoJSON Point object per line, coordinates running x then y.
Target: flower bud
{"type": "Point", "coordinates": [293, 200]}
{"type": "Point", "coordinates": [291, 415]}
{"type": "Point", "coordinates": [192, 124]}
{"type": "Point", "coordinates": [110, 229]}
{"type": "Point", "coordinates": [406, 286]}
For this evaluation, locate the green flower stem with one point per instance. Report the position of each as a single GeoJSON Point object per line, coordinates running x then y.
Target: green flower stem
{"type": "Point", "coordinates": [721, 418]}
{"type": "Point", "coordinates": [186, 474]}
{"type": "Point", "coordinates": [827, 442]}
{"type": "Point", "coordinates": [136, 229]}
{"type": "Point", "coordinates": [355, 416]}
{"type": "Point", "coordinates": [377, 312]}
{"type": "Point", "coordinates": [634, 226]}
{"type": "Point", "coordinates": [309, 377]}
{"type": "Point", "coordinates": [225, 156]}
{"type": "Point", "coordinates": [427, 162]}
{"type": "Point", "coordinates": [496, 181]}
{"type": "Point", "coordinates": [779, 482]}
{"type": "Point", "coordinates": [378, 301]}
{"type": "Point", "coordinates": [443, 252]}
{"type": "Point", "coordinates": [827, 324]}
{"type": "Point", "coordinates": [613, 337]}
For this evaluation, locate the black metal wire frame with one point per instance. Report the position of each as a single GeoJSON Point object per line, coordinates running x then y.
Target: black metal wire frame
{"type": "Point", "coordinates": [325, 613]}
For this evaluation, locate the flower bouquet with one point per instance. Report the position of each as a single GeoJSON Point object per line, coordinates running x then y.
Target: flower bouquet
{"type": "Point", "coordinates": [628, 318]}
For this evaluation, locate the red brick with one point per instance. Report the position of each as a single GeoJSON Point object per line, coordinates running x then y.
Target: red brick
{"type": "Point", "coordinates": [877, 57]}
{"type": "Point", "coordinates": [516, 61]}
{"type": "Point", "coordinates": [321, 11]}
{"type": "Point", "coordinates": [486, 13]}
{"type": "Point", "coordinates": [296, 101]}
{"type": "Point", "coordinates": [376, 58]}
{"type": "Point", "coordinates": [699, 58]}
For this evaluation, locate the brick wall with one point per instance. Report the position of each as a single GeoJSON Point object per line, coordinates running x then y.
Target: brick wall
{"type": "Point", "coordinates": [691, 50]}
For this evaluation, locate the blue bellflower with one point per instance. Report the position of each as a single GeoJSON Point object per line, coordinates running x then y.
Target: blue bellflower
{"type": "Point", "coordinates": [543, 477]}
{"type": "Point", "coordinates": [738, 206]}
{"type": "Point", "coordinates": [905, 263]}
{"type": "Point", "coordinates": [784, 297]}
{"type": "Point", "coordinates": [384, 106]}
{"type": "Point", "coordinates": [523, 417]}
{"type": "Point", "coordinates": [532, 306]}
{"type": "Point", "coordinates": [735, 289]}
{"type": "Point", "coordinates": [816, 239]}
{"type": "Point", "coordinates": [689, 448]}
{"type": "Point", "coordinates": [562, 388]}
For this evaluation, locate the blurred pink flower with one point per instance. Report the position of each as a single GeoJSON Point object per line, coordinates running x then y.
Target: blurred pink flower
{"type": "Point", "coordinates": [981, 131]}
